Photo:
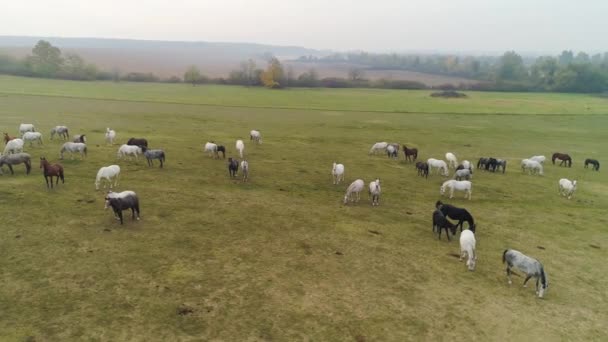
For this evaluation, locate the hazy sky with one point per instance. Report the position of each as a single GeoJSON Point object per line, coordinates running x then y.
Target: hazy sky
{"type": "Point", "coordinates": [378, 25]}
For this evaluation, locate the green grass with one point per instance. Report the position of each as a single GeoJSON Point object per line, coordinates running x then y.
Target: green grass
{"type": "Point", "coordinates": [280, 258]}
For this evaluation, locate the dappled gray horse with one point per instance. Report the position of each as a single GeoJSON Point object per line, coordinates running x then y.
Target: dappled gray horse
{"type": "Point", "coordinates": [153, 154]}
{"type": "Point", "coordinates": [15, 159]}
{"type": "Point", "coordinates": [61, 131]}
{"type": "Point", "coordinates": [530, 266]}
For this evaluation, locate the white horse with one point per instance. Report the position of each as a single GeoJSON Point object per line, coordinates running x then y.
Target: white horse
{"type": "Point", "coordinates": [540, 159]}
{"type": "Point", "coordinates": [108, 173]}
{"type": "Point", "coordinates": [451, 158]}
{"type": "Point", "coordinates": [26, 128]}
{"type": "Point", "coordinates": [211, 149]}
{"type": "Point", "coordinates": [73, 147]}
{"type": "Point", "coordinates": [245, 169]}
{"type": "Point", "coordinates": [13, 146]}
{"type": "Point", "coordinates": [110, 135]}
{"type": "Point", "coordinates": [467, 165]}
{"type": "Point", "coordinates": [532, 166]}
{"type": "Point", "coordinates": [467, 247]}
{"type": "Point", "coordinates": [378, 147]}
{"type": "Point", "coordinates": [240, 146]}
{"type": "Point", "coordinates": [440, 165]}
{"type": "Point", "coordinates": [530, 266]}
{"type": "Point", "coordinates": [255, 136]}
{"type": "Point", "coordinates": [61, 131]}
{"type": "Point", "coordinates": [354, 190]}
{"type": "Point", "coordinates": [374, 192]}
{"type": "Point", "coordinates": [128, 150]}
{"type": "Point", "coordinates": [33, 136]}
{"type": "Point", "coordinates": [452, 184]}
{"type": "Point", "coordinates": [567, 187]}
{"type": "Point", "coordinates": [338, 173]}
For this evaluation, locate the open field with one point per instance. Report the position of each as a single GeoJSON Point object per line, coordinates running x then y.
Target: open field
{"type": "Point", "coordinates": [280, 258]}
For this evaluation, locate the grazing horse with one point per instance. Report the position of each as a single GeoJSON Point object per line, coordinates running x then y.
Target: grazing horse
{"type": "Point", "coordinates": [423, 169]}
{"type": "Point", "coordinates": [457, 185]}
{"type": "Point", "coordinates": [491, 164]}
{"type": "Point", "coordinates": [441, 222]}
{"type": "Point", "coordinates": [73, 147]}
{"type": "Point", "coordinates": [14, 146]}
{"type": "Point", "coordinates": [565, 158]}
{"type": "Point", "coordinates": [153, 154]}
{"type": "Point", "coordinates": [211, 149]}
{"type": "Point", "coordinates": [245, 168]}
{"type": "Point", "coordinates": [138, 142]}
{"type": "Point", "coordinates": [61, 131]}
{"type": "Point", "coordinates": [7, 138]}
{"type": "Point", "coordinates": [256, 136]}
{"type": "Point", "coordinates": [14, 159]}
{"type": "Point", "coordinates": [374, 192]}
{"type": "Point", "coordinates": [593, 162]}
{"type": "Point", "coordinates": [463, 174]}
{"type": "Point", "coordinates": [221, 148]}
{"type": "Point", "coordinates": [442, 166]}
{"type": "Point", "coordinates": [567, 187]}
{"type": "Point", "coordinates": [50, 171]}
{"type": "Point", "coordinates": [123, 201]}
{"type": "Point", "coordinates": [501, 163]}
{"type": "Point", "coordinates": [108, 173]}
{"type": "Point", "coordinates": [391, 151]}
{"type": "Point", "coordinates": [451, 158]}
{"type": "Point", "coordinates": [233, 167]}
{"type": "Point", "coordinates": [456, 213]}
{"type": "Point", "coordinates": [411, 154]}
{"type": "Point", "coordinates": [337, 172]}
{"type": "Point", "coordinates": [540, 159]}
{"type": "Point", "coordinates": [467, 247]}
{"type": "Point", "coordinates": [26, 128]}
{"type": "Point", "coordinates": [377, 147]}
{"type": "Point", "coordinates": [467, 165]}
{"type": "Point", "coordinates": [31, 137]}
{"type": "Point", "coordinates": [530, 266]}
{"type": "Point", "coordinates": [80, 138]}
{"type": "Point", "coordinates": [128, 150]}
{"type": "Point", "coordinates": [481, 164]}
{"type": "Point", "coordinates": [240, 146]}
{"type": "Point", "coordinates": [353, 192]}
{"type": "Point", "coordinates": [532, 166]}
{"type": "Point", "coordinates": [110, 135]}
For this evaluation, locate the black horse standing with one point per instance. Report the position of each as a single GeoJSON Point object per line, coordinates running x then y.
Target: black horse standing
{"type": "Point", "coordinates": [119, 204]}
{"type": "Point", "coordinates": [233, 167]}
{"type": "Point", "coordinates": [595, 164]}
{"type": "Point", "coordinates": [456, 213]}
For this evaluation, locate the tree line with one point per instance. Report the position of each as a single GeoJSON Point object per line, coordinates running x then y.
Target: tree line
{"type": "Point", "coordinates": [567, 72]}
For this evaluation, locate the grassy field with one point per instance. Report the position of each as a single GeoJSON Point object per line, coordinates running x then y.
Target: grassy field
{"type": "Point", "coordinates": [280, 258]}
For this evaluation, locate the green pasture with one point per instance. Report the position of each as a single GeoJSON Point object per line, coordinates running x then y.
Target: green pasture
{"type": "Point", "coordinates": [280, 258]}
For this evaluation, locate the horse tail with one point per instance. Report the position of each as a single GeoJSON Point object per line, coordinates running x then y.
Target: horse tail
{"type": "Point", "coordinates": [504, 167]}
{"type": "Point", "coordinates": [504, 256]}
{"type": "Point", "coordinates": [543, 277]}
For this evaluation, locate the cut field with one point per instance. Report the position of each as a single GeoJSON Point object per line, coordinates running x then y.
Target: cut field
{"type": "Point", "coordinates": [280, 257]}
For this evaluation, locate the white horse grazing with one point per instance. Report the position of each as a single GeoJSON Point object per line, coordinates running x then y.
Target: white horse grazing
{"type": "Point", "coordinates": [338, 173]}
{"type": "Point", "coordinates": [26, 128]}
{"type": "Point", "coordinates": [245, 168]}
{"type": "Point", "coordinates": [467, 165]}
{"type": "Point", "coordinates": [128, 150]}
{"type": "Point", "coordinates": [540, 159]}
{"type": "Point", "coordinates": [110, 135]}
{"type": "Point", "coordinates": [378, 147]}
{"type": "Point", "coordinates": [532, 166]}
{"type": "Point", "coordinates": [73, 147]}
{"type": "Point", "coordinates": [354, 189]}
{"type": "Point", "coordinates": [451, 158]}
{"type": "Point", "coordinates": [440, 165]}
{"type": "Point", "coordinates": [211, 149]}
{"type": "Point", "coordinates": [13, 146]}
{"type": "Point", "coordinates": [374, 192]}
{"type": "Point", "coordinates": [108, 173]}
{"type": "Point", "coordinates": [255, 136]}
{"type": "Point", "coordinates": [467, 247]}
{"type": "Point", "coordinates": [457, 185]}
{"type": "Point", "coordinates": [530, 266]}
{"type": "Point", "coordinates": [33, 136]}
{"type": "Point", "coordinates": [240, 146]}
{"type": "Point", "coordinates": [61, 131]}
{"type": "Point", "coordinates": [567, 187]}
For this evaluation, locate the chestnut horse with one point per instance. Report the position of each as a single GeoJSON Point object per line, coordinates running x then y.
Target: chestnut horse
{"type": "Point", "coordinates": [7, 138]}
{"type": "Point", "coordinates": [51, 171]}
{"type": "Point", "coordinates": [565, 158]}
{"type": "Point", "coordinates": [409, 153]}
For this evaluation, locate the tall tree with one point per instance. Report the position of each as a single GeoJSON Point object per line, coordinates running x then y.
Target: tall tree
{"type": "Point", "coordinates": [274, 74]}
{"type": "Point", "coordinates": [511, 67]}
{"type": "Point", "coordinates": [192, 75]}
{"type": "Point", "coordinates": [45, 60]}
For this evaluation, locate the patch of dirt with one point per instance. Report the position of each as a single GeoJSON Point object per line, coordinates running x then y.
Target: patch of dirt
{"type": "Point", "coordinates": [360, 338]}
{"type": "Point", "coordinates": [455, 255]}
{"type": "Point", "coordinates": [306, 247]}
{"type": "Point", "coordinates": [184, 310]}
{"type": "Point", "coordinates": [375, 232]}
{"type": "Point", "coordinates": [540, 247]}
{"type": "Point", "coordinates": [338, 253]}
{"type": "Point", "coordinates": [595, 246]}
{"type": "Point", "coordinates": [449, 94]}
{"type": "Point", "coordinates": [17, 236]}
{"type": "Point", "coordinates": [107, 230]}
{"type": "Point", "coordinates": [408, 212]}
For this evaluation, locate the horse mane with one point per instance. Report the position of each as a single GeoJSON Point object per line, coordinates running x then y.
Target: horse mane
{"type": "Point", "coordinates": [504, 257]}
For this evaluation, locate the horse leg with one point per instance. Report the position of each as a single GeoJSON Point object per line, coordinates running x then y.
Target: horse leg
{"type": "Point", "coordinates": [10, 167]}
{"type": "Point", "coordinates": [526, 280]}
{"type": "Point", "coordinates": [509, 275]}
{"type": "Point", "coordinates": [120, 216]}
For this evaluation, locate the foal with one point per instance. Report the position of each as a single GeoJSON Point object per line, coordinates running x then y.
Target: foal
{"type": "Point", "coordinates": [51, 171]}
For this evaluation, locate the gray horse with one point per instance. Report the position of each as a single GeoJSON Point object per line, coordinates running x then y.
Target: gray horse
{"type": "Point", "coordinates": [15, 159]}
{"type": "Point", "coordinates": [153, 154]}
{"type": "Point", "coordinates": [61, 131]}
{"type": "Point", "coordinates": [530, 266]}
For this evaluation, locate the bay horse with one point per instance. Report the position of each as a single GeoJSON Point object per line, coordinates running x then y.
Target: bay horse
{"type": "Point", "coordinates": [411, 154]}
{"type": "Point", "coordinates": [594, 163]}
{"type": "Point", "coordinates": [7, 138]}
{"type": "Point", "coordinates": [138, 142]}
{"type": "Point", "coordinates": [51, 171]}
{"type": "Point", "coordinates": [565, 158]}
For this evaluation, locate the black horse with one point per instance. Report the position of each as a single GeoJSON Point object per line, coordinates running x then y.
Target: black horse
{"type": "Point", "coordinates": [138, 142]}
{"type": "Point", "coordinates": [221, 148]}
{"type": "Point", "coordinates": [481, 164]}
{"type": "Point", "coordinates": [594, 163]}
{"type": "Point", "coordinates": [564, 157]}
{"type": "Point", "coordinates": [233, 167]}
{"type": "Point", "coordinates": [456, 213]}
{"type": "Point", "coordinates": [423, 169]}
{"type": "Point", "coordinates": [501, 163]}
{"type": "Point", "coordinates": [119, 204]}
{"type": "Point", "coordinates": [441, 222]}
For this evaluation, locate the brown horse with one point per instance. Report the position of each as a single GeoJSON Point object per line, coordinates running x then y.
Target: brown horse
{"type": "Point", "coordinates": [7, 138]}
{"type": "Point", "coordinates": [410, 152]}
{"type": "Point", "coordinates": [563, 157]}
{"type": "Point", "coordinates": [51, 171]}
